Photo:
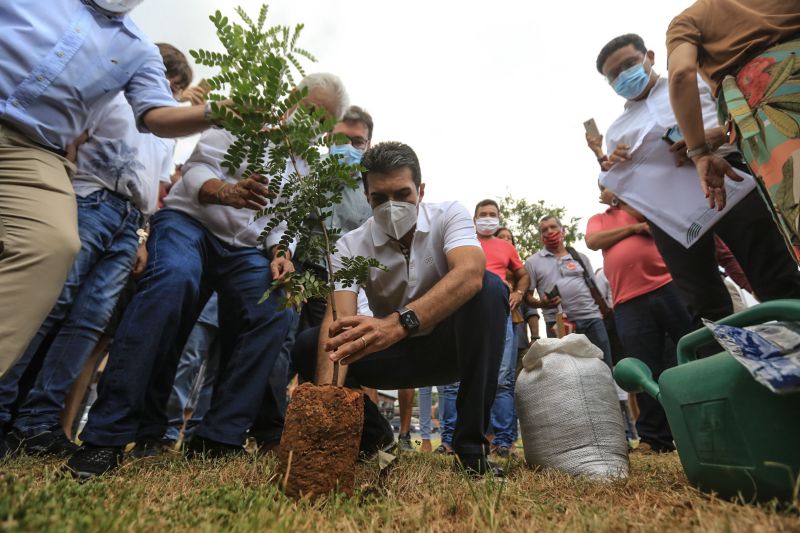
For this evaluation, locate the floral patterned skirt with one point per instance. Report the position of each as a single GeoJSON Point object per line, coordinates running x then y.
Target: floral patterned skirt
{"type": "Point", "coordinates": [761, 105]}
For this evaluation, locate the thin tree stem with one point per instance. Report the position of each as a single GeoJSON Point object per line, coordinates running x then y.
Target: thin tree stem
{"type": "Point", "coordinates": [328, 265]}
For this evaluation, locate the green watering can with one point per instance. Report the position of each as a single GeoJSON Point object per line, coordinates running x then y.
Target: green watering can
{"type": "Point", "coordinates": [734, 436]}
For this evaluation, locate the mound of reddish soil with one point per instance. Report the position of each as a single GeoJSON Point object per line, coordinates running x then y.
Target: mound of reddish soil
{"type": "Point", "coordinates": [322, 432]}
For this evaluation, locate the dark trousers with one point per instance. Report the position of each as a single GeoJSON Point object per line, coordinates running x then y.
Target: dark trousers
{"type": "Point", "coordinates": [595, 331]}
{"type": "Point", "coordinates": [186, 262]}
{"type": "Point", "coordinates": [753, 237]}
{"type": "Point", "coordinates": [645, 324]}
{"type": "Point", "coordinates": [467, 346]}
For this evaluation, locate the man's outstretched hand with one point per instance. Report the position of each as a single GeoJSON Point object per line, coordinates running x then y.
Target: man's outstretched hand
{"type": "Point", "coordinates": [353, 337]}
{"type": "Point", "coordinates": [712, 170]}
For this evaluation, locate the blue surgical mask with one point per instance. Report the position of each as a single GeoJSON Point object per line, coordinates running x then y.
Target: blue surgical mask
{"type": "Point", "coordinates": [630, 83]}
{"type": "Point", "coordinates": [350, 155]}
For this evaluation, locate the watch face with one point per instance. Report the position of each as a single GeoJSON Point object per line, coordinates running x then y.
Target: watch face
{"type": "Point", "coordinates": [409, 320]}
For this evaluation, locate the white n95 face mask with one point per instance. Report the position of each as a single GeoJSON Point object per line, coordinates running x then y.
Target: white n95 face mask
{"type": "Point", "coordinates": [487, 225]}
{"type": "Point", "coordinates": [395, 218]}
{"type": "Point", "coordinates": [117, 6]}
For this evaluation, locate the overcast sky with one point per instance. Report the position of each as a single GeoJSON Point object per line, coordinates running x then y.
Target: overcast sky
{"type": "Point", "coordinates": [491, 95]}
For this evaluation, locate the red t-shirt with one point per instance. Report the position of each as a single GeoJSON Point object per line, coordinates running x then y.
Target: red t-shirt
{"type": "Point", "coordinates": [500, 256]}
{"type": "Point", "coordinates": [633, 266]}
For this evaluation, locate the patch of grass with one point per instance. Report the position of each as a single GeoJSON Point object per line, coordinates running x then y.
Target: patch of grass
{"type": "Point", "coordinates": [420, 492]}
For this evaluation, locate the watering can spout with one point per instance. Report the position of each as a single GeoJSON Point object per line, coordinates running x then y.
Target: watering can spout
{"type": "Point", "coordinates": [634, 375]}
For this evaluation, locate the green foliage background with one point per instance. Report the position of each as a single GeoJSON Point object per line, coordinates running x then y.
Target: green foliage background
{"type": "Point", "coordinates": [522, 217]}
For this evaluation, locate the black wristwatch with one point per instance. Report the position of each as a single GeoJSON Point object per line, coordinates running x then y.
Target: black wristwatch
{"type": "Point", "coordinates": [409, 320]}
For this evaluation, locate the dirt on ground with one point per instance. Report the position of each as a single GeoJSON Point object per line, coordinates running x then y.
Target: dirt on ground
{"type": "Point", "coordinates": [320, 441]}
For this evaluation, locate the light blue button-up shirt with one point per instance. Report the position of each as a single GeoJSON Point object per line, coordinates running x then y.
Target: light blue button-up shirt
{"type": "Point", "coordinates": [61, 58]}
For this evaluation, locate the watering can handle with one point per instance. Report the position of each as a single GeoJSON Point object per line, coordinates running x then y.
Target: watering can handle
{"type": "Point", "coordinates": [758, 314]}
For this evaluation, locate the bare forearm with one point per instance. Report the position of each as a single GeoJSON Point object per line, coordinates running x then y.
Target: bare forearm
{"type": "Point", "coordinates": [451, 292]}
{"type": "Point", "coordinates": [209, 191]}
{"type": "Point", "coordinates": [176, 121]}
{"type": "Point", "coordinates": [684, 94]}
{"type": "Point", "coordinates": [523, 280]}
{"type": "Point", "coordinates": [605, 239]}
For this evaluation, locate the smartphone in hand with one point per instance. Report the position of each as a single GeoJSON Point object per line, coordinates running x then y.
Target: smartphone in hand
{"type": "Point", "coordinates": [672, 135]}
{"type": "Point", "coordinates": [552, 293]}
{"type": "Point", "coordinates": [591, 128]}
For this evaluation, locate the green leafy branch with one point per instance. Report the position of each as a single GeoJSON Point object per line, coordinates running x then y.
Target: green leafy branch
{"type": "Point", "coordinates": [278, 135]}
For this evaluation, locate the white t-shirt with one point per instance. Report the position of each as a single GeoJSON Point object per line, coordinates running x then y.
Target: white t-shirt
{"type": "Point", "coordinates": [237, 227]}
{"type": "Point", "coordinates": [119, 158]}
{"type": "Point", "coordinates": [440, 228]}
{"type": "Point", "coordinates": [656, 110]}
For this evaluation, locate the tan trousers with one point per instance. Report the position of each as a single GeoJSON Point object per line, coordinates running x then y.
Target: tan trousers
{"type": "Point", "coordinates": [39, 230]}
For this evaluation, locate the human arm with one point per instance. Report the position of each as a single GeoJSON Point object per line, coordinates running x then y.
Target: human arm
{"type": "Point", "coordinates": [195, 94]}
{"type": "Point", "coordinates": [176, 121]}
{"type": "Point", "coordinates": [72, 148]}
{"type": "Point", "coordinates": [605, 239]}
{"type": "Point", "coordinates": [141, 260]}
{"type": "Point", "coordinates": [464, 279]}
{"type": "Point", "coordinates": [595, 144]}
{"type": "Point", "coordinates": [685, 99]}
{"type": "Point", "coordinates": [206, 180]}
{"type": "Point", "coordinates": [281, 263]}
{"type": "Point", "coordinates": [521, 283]}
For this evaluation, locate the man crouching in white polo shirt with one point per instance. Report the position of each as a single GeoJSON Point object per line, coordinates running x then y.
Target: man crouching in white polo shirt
{"type": "Point", "coordinates": [439, 317]}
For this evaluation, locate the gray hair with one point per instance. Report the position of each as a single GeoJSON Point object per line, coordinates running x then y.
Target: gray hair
{"type": "Point", "coordinates": [332, 85]}
{"type": "Point", "coordinates": [551, 217]}
{"type": "Point", "coordinates": [357, 114]}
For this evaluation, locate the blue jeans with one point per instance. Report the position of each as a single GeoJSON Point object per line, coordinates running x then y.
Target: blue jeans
{"type": "Point", "coordinates": [186, 264]}
{"type": "Point", "coordinates": [504, 418]}
{"type": "Point", "coordinates": [447, 411]}
{"type": "Point", "coordinates": [268, 425]}
{"type": "Point", "coordinates": [425, 412]}
{"type": "Point", "coordinates": [595, 331]}
{"type": "Point", "coordinates": [107, 226]}
{"type": "Point", "coordinates": [197, 371]}
{"type": "Point", "coordinates": [645, 325]}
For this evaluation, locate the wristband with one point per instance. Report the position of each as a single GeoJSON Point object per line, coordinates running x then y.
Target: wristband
{"type": "Point", "coordinates": [700, 150]}
{"type": "Point", "coordinates": [142, 233]}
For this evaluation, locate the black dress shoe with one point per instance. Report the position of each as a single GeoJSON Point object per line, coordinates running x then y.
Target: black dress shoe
{"type": "Point", "coordinates": [48, 443]}
{"type": "Point", "coordinates": [202, 448]}
{"type": "Point", "coordinates": [477, 466]}
{"type": "Point", "coordinates": [377, 434]}
{"type": "Point", "coordinates": [91, 461]}
{"type": "Point", "coordinates": [152, 448]}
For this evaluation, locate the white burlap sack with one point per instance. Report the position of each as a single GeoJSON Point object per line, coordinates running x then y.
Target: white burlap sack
{"type": "Point", "coordinates": [569, 411]}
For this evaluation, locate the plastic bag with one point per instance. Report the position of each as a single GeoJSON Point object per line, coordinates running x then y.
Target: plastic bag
{"type": "Point", "coordinates": [569, 411]}
{"type": "Point", "coordinates": [770, 352]}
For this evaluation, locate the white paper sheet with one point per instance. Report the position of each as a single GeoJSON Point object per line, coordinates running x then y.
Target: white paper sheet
{"type": "Point", "coordinates": [668, 196]}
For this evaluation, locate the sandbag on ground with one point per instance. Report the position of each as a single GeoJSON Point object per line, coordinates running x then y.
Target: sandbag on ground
{"type": "Point", "coordinates": [569, 411]}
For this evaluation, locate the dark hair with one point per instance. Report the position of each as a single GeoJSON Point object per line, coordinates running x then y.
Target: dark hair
{"type": "Point", "coordinates": [357, 114]}
{"type": "Point", "coordinates": [484, 203]}
{"type": "Point", "coordinates": [388, 156]}
{"type": "Point", "coordinates": [176, 64]}
{"type": "Point", "coordinates": [615, 44]}
{"type": "Point", "coordinates": [503, 228]}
